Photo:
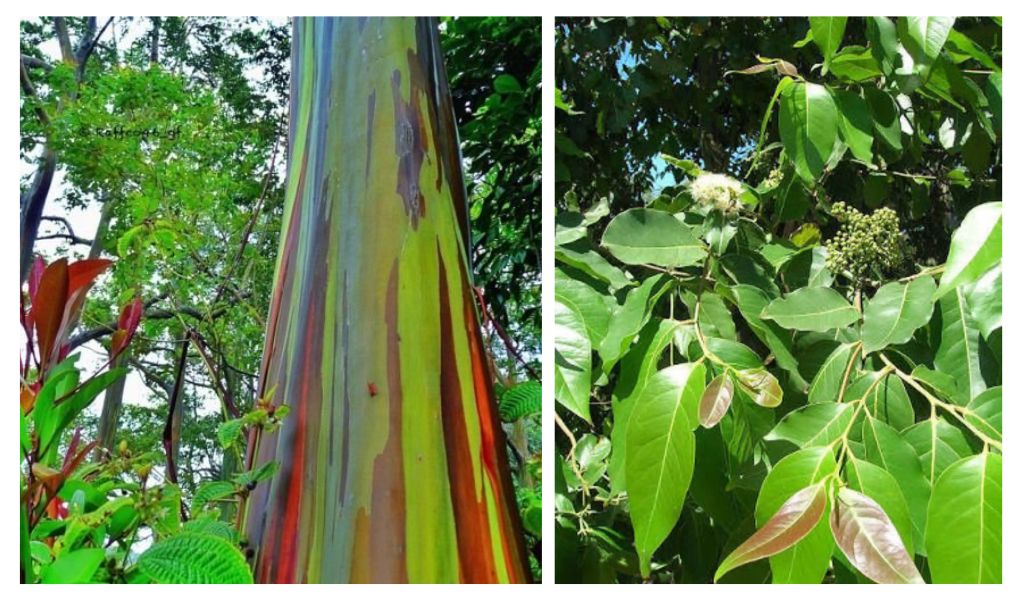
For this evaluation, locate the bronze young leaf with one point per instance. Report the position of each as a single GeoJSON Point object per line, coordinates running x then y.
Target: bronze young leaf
{"type": "Point", "coordinates": [716, 400]}
{"type": "Point", "coordinates": [870, 541]}
{"type": "Point", "coordinates": [794, 519]}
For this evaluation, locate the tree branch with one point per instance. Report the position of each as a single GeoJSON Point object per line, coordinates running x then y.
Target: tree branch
{"type": "Point", "coordinates": [70, 235]}
{"type": "Point", "coordinates": [154, 314]}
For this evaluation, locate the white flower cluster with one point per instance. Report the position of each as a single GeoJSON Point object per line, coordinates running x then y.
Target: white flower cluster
{"type": "Point", "coordinates": [718, 191]}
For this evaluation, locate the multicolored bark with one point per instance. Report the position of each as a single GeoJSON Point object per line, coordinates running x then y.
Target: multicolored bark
{"type": "Point", "coordinates": [393, 463]}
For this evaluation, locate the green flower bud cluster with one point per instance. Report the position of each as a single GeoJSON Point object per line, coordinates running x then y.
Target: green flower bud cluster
{"type": "Point", "coordinates": [867, 247]}
{"type": "Point", "coordinates": [773, 179]}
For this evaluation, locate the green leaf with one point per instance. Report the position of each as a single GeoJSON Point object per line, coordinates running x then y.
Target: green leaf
{"type": "Point", "coordinates": [896, 311]}
{"type": "Point", "coordinates": [885, 115]}
{"type": "Point", "coordinates": [581, 255]}
{"type": "Point", "coordinates": [960, 346]}
{"type": "Point", "coordinates": [195, 558]}
{"type": "Point", "coordinates": [808, 126]}
{"type": "Point", "coordinates": [591, 453]}
{"type": "Point", "coordinates": [76, 566]}
{"type": "Point", "coordinates": [660, 454]}
{"type": "Point", "coordinates": [924, 37]}
{"type": "Point", "coordinates": [814, 424]}
{"type": "Point", "coordinates": [829, 379]}
{"type": "Point", "coordinates": [985, 413]}
{"type": "Point", "coordinates": [715, 401]}
{"type": "Point", "coordinates": [715, 318]}
{"type": "Point", "coordinates": [506, 84]}
{"type": "Point", "coordinates": [870, 541]}
{"type": "Point", "coordinates": [594, 306]}
{"type": "Point", "coordinates": [938, 445]}
{"type": "Point", "coordinates": [976, 247]}
{"type": "Point", "coordinates": [228, 432]}
{"type": "Point", "coordinates": [855, 64]}
{"type": "Point", "coordinates": [811, 309]}
{"type": "Point", "coordinates": [807, 560]}
{"type": "Point", "coordinates": [734, 354]}
{"type": "Point", "coordinates": [882, 487]}
{"type": "Point", "coordinates": [637, 367]}
{"type": "Point", "coordinates": [855, 124]}
{"type": "Point", "coordinates": [887, 401]}
{"type": "Point", "coordinates": [828, 36]}
{"type": "Point", "coordinates": [796, 518]}
{"type": "Point", "coordinates": [211, 491]}
{"type": "Point", "coordinates": [965, 522]}
{"type": "Point", "coordinates": [885, 44]}
{"type": "Point", "coordinates": [751, 301]}
{"type": "Point", "coordinates": [572, 361]}
{"type": "Point", "coordinates": [884, 447]}
{"type": "Point", "coordinates": [630, 318]}
{"type": "Point", "coordinates": [520, 401]}
{"type": "Point", "coordinates": [645, 236]}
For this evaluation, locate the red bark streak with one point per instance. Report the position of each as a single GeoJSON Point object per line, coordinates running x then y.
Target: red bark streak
{"type": "Point", "coordinates": [476, 560]}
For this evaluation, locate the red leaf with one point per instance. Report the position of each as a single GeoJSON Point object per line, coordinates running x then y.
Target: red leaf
{"type": "Point", "coordinates": [48, 308]}
{"type": "Point", "coordinates": [82, 273]}
{"type": "Point", "coordinates": [131, 314]}
{"type": "Point", "coordinates": [38, 266]}
{"type": "Point", "coordinates": [127, 324]}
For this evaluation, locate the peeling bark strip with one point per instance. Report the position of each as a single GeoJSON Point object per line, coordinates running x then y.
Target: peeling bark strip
{"type": "Point", "coordinates": [392, 463]}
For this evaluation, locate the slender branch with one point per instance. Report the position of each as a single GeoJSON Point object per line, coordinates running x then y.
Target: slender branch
{"type": "Point", "coordinates": [70, 235]}
{"type": "Point", "coordinates": [169, 441]}
{"type": "Point", "coordinates": [958, 412]}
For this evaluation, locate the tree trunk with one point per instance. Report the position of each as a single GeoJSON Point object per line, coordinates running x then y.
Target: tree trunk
{"type": "Point", "coordinates": [392, 461]}
{"type": "Point", "coordinates": [112, 402]}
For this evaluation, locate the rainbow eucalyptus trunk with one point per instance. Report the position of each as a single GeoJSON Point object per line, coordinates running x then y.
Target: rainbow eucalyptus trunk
{"type": "Point", "coordinates": [393, 465]}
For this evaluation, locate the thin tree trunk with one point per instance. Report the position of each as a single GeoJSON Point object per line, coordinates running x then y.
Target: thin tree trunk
{"type": "Point", "coordinates": [392, 461]}
{"type": "Point", "coordinates": [154, 43]}
{"type": "Point", "coordinates": [112, 401]}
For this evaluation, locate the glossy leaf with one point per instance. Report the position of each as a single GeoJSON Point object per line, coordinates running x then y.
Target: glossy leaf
{"type": "Point", "coordinates": [636, 369]}
{"type": "Point", "coordinates": [715, 401]}
{"type": "Point", "coordinates": [811, 309]}
{"type": "Point", "coordinates": [869, 539]}
{"type": "Point", "coordinates": [75, 566]}
{"type": "Point", "coordinates": [808, 126]}
{"type": "Point", "coordinates": [827, 382]}
{"type": "Point", "coordinates": [828, 35]}
{"type": "Point", "coordinates": [985, 301]}
{"type": "Point", "coordinates": [592, 305]}
{"type": "Point", "coordinates": [884, 43]}
{"type": "Point", "coordinates": [627, 320]}
{"type": "Point", "coordinates": [798, 516]}
{"type": "Point", "coordinates": [965, 516]}
{"type": "Point", "coordinates": [985, 413]}
{"type": "Point", "coordinates": [938, 445]}
{"type": "Point", "coordinates": [884, 447]}
{"type": "Point", "coordinates": [875, 482]}
{"type": "Point", "coordinates": [572, 361]}
{"type": "Point", "coordinates": [660, 454]}
{"type": "Point", "coordinates": [959, 352]}
{"type": "Point", "coordinates": [976, 247]}
{"type": "Point", "coordinates": [896, 311]}
{"type": "Point", "coordinates": [814, 425]}
{"type": "Point", "coordinates": [645, 236]}
{"type": "Point", "coordinates": [924, 38]}
{"type": "Point", "coordinates": [855, 124]}
{"type": "Point", "coordinates": [808, 559]}
{"type": "Point", "coordinates": [764, 387]}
